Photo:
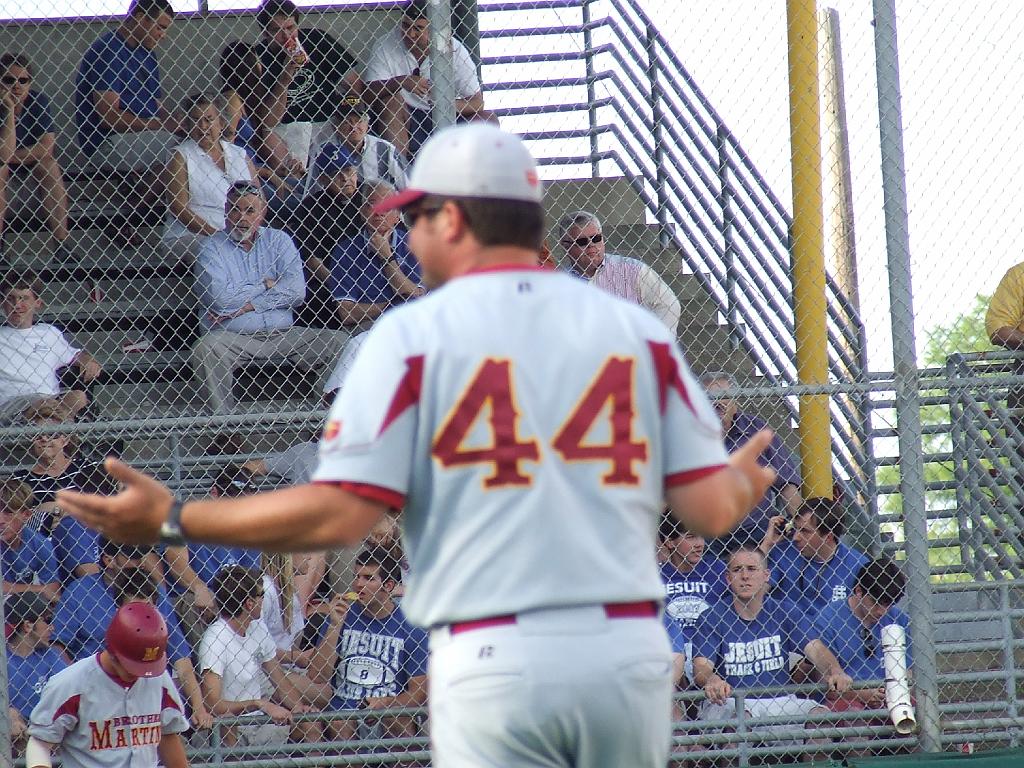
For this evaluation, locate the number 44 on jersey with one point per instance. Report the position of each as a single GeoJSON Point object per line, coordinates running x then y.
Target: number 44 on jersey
{"type": "Point", "coordinates": [491, 395]}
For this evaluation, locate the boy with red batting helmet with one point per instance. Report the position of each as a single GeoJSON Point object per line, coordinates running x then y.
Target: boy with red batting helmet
{"type": "Point", "coordinates": [117, 709]}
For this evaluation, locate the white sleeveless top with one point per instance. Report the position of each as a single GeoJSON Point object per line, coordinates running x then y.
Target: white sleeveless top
{"type": "Point", "coordinates": [207, 184]}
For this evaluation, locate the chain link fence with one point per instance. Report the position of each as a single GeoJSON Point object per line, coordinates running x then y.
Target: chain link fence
{"type": "Point", "coordinates": [190, 260]}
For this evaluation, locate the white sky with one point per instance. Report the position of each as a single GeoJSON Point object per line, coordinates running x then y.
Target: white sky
{"type": "Point", "coordinates": [961, 70]}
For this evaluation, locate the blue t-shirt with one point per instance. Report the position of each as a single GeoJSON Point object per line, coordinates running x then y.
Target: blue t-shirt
{"type": "Point", "coordinates": [73, 545]}
{"type": "Point", "coordinates": [811, 584]}
{"type": "Point", "coordinates": [754, 653]}
{"type": "Point", "coordinates": [358, 275]}
{"type": "Point", "coordinates": [110, 64]}
{"type": "Point", "coordinates": [35, 120]}
{"type": "Point", "coordinates": [26, 676]}
{"type": "Point", "coordinates": [858, 648]}
{"type": "Point", "coordinates": [688, 595]}
{"type": "Point", "coordinates": [85, 609]}
{"type": "Point", "coordinates": [778, 457]}
{"type": "Point", "coordinates": [31, 563]}
{"type": "Point", "coordinates": [207, 559]}
{"type": "Point", "coordinates": [376, 657]}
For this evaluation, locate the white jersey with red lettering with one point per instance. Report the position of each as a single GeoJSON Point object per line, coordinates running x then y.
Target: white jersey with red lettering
{"type": "Point", "coordinates": [529, 425]}
{"type": "Point", "coordinates": [100, 722]}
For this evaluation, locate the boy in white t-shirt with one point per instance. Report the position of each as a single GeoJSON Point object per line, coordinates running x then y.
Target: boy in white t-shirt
{"type": "Point", "coordinates": [238, 660]}
{"type": "Point", "coordinates": [33, 354]}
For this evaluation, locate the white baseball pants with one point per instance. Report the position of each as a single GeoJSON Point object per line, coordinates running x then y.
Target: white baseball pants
{"type": "Point", "coordinates": [560, 687]}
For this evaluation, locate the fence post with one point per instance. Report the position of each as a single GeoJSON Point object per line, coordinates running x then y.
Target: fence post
{"type": "Point", "coordinates": [442, 71]}
{"type": "Point", "coordinates": [588, 51]}
{"type": "Point", "coordinates": [6, 760]}
{"type": "Point", "coordinates": [908, 396]}
{"type": "Point", "coordinates": [657, 117]}
{"type": "Point", "coordinates": [728, 243]}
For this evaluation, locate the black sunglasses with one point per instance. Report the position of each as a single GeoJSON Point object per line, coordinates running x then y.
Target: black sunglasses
{"type": "Point", "coordinates": [583, 242]}
{"type": "Point", "coordinates": [11, 80]}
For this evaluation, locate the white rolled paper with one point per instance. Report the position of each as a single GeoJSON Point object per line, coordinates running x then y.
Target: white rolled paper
{"type": "Point", "coordinates": [897, 683]}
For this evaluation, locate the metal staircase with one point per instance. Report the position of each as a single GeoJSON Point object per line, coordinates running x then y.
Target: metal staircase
{"type": "Point", "coordinates": [603, 81]}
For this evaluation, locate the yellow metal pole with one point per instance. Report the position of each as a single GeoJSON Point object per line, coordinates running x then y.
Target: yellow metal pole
{"type": "Point", "coordinates": [808, 245]}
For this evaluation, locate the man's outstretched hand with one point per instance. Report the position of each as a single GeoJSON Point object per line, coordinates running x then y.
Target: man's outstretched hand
{"type": "Point", "coordinates": [133, 516]}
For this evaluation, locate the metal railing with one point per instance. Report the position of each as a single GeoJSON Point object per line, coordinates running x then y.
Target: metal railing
{"type": "Point", "coordinates": [646, 119]}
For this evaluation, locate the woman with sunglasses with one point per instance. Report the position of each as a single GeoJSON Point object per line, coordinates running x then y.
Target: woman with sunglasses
{"type": "Point", "coordinates": [27, 112]}
{"type": "Point", "coordinates": [202, 169]}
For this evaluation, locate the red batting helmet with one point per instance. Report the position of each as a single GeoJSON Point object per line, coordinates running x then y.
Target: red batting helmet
{"type": "Point", "coordinates": [137, 637]}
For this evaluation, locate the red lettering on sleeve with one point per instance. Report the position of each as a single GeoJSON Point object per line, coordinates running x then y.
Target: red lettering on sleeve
{"type": "Point", "coordinates": [168, 702]}
{"type": "Point", "coordinates": [69, 707]}
{"type": "Point", "coordinates": [407, 393]}
{"type": "Point", "coordinates": [668, 376]}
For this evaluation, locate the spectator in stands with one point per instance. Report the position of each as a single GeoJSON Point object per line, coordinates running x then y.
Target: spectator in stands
{"type": "Point", "coordinates": [326, 216]}
{"type": "Point", "coordinates": [8, 130]}
{"type": "Point", "coordinates": [784, 495]}
{"type": "Point", "coordinates": [400, 62]}
{"type": "Point", "coordinates": [320, 69]}
{"type": "Point", "coordinates": [87, 605]}
{"type": "Point", "coordinates": [237, 654]}
{"type": "Point", "coordinates": [375, 658]}
{"type": "Point", "coordinates": [375, 269]}
{"type": "Point", "coordinates": [26, 557]}
{"type": "Point", "coordinates": [580, 234]}
{"type": "Point", "coordinates": [202, 169]}
{"type": "Point", "coordinates": [31, 661]}
{"type": "Point", "coordinates": [192, 568]}
{"type": "Point", "coordinates": [122, 123]}
{"type": "Point", "coordinates": [34, 152]}
{"type": "Point", "coordinates": [1004, 320]}
{"type": "Point", "coordinates": [349, 128]}
{"type": "Point", "coordinates": [745, 642]}
{"type": "Point", "coordinates": [57, 464]}
{"type": "Point", "coordinates": [284, 584]}
{"type": "Point", "coordinates": [813, 568]}
{"type": "Point", "coordinates": [852, 629]}
{"type": "Point", "coordinates": [249, 279]}
{"type": "Point", "coordinates": [34, 355]}
{"type": "Point", "coordinates": [692, 582]}
{"type": "Point", "coordinates": [253, 106]}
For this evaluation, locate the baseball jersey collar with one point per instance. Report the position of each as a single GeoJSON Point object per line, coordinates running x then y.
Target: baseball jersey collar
{"type": "Point", "coordinates": [511, 267]}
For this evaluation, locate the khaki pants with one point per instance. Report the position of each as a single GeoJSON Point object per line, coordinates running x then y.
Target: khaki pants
{"type": "Point", "coordinates": [218, 353]}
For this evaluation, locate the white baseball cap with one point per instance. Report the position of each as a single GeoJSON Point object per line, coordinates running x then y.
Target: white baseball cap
{"type": "Point", "coordinates": [471, 160]}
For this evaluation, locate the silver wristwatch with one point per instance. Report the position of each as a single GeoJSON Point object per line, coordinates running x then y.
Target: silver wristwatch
{"type": "Point", "coordinates": [171, 534]}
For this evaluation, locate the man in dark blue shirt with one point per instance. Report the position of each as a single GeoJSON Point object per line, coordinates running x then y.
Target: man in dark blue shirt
{"type": "Point", "coordinates": [375, 269]}
{"type": "Point", "coordinates": [738, 427]}
{"type": "Point", "coordinates": [852, 629]}
{"type": "Point", "coordinates": [118, 90]}
{"type": "Point", "coordinates": [119, 111]}
{"type": "Point", "coordinates": [813, 568]}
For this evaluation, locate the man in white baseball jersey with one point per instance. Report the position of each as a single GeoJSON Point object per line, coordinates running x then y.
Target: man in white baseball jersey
{"type": "Point", "coordinates": [117, 709]}
{"type": "Point", "coordinates": [530, 427]}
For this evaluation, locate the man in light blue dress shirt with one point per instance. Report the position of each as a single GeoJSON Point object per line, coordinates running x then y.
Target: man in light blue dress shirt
{"type": "Point", "coordinates": [249, 280]}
